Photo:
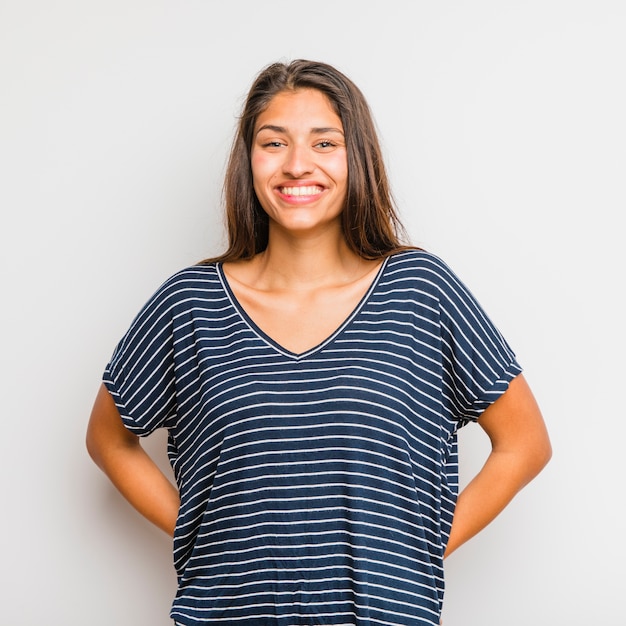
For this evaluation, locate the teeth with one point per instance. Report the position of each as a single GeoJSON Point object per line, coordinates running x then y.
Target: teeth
{"type": "Point", "coordinates": [300, 191]}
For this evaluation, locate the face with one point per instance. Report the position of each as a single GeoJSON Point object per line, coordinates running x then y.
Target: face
{"type": "Point", "coordinates": [299, 163]}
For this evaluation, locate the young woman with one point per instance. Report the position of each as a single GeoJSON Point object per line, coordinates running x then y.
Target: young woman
{"type": "Point", "coordinates": [312, 380]}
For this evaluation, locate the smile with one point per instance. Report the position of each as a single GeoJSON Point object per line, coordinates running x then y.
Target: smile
{"type": "Point", "coordinates": [301, 191]}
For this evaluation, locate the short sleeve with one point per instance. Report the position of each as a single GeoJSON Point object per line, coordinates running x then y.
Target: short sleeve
{"type": "Point", "coordinates": [478, 363]}
{"type": "Point", "coordinates": [140, 374]}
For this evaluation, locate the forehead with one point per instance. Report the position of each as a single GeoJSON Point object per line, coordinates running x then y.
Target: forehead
{"type": "Point", "coordinates": [301, 107]}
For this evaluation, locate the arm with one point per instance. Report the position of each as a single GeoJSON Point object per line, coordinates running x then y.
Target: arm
{"type": "Point", "coordinates": [120, 456]}
{"type": "Point", "coordinates": [520, 449]}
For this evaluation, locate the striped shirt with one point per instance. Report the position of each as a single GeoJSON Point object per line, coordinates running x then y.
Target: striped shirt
{"type": "Point", "coordinates": [316, 488]}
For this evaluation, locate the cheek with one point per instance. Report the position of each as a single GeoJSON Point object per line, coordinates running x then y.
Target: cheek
{"type": "Point", "coordinates": [262, 169]}
{"type": "Point", "coordinates": [260, 165]}
{"type": "Point", "coordinates": [339, 167]}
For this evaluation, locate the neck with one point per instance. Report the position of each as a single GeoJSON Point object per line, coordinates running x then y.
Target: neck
{"type": "Point", "coordinates": [306, 262]}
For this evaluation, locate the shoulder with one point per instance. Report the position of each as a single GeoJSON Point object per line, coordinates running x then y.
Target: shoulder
{"type": "Point", "coordinates": [415, 258]}
{"type": "Point", "coordinates": [428, 274]}
{"type": "Point", "coordinates": [188, 285]}
{"type": "Point", "coordinates": [420, 266]}
{"type": "Point", "coordinates": [194, 276]}
{"type": "Point", "coordinates": [194, 290]}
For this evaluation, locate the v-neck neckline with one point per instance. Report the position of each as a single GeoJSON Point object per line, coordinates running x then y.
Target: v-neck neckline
{"type": "Point", "coordinates": [257, 330]}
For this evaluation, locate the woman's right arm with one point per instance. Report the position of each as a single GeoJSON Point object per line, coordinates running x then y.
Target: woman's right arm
{"type": "Point", "coordinates": [119, 454]}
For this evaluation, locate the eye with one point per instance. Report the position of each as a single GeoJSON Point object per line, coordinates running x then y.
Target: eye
{"type": "Point", "coordinates": [272, 144]}
{"type": "Point", "coordinates": [325, 143]}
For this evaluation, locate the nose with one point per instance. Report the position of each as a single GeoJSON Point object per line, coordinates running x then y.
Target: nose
{"type": "Point", "coordinates": [298, 161]}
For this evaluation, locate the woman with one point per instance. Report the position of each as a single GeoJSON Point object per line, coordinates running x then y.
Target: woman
{"type": "Point", "coordinates": [313, 379]}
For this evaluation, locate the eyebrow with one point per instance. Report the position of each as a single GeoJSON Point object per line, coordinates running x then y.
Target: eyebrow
{"type": "Point", "coordinates": [314, 130]}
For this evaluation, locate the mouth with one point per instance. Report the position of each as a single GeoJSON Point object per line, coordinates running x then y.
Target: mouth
{"type": "Point", "coordinates": [308, 190]}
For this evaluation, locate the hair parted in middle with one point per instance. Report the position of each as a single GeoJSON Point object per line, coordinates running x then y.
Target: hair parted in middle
{"type": "Point", "coordinates": [371, 226]}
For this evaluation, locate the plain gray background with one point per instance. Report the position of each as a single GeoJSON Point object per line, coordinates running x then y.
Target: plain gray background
{"type": "Point", "coordinates": [504, 129]}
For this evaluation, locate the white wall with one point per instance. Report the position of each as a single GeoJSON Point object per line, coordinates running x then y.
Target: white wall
{"type": "Point", "coordinates": [505, 133]}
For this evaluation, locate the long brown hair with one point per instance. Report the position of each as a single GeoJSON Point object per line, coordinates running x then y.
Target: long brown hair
{"type": "Point", "coordinates": [370, 223]}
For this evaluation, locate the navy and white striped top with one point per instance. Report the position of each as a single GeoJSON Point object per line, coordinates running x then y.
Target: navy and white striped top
{"type": "Point", "coordinates": [316, 488]}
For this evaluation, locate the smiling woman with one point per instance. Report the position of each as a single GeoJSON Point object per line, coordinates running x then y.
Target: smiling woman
{"type": "Point", "coordinates": [370, 224]}
{"type": "Point", "coordinates": [312, 380]}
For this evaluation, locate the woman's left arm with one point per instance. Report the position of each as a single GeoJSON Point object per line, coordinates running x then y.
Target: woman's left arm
{"type": "Point", "coordinates": [520, 449]}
